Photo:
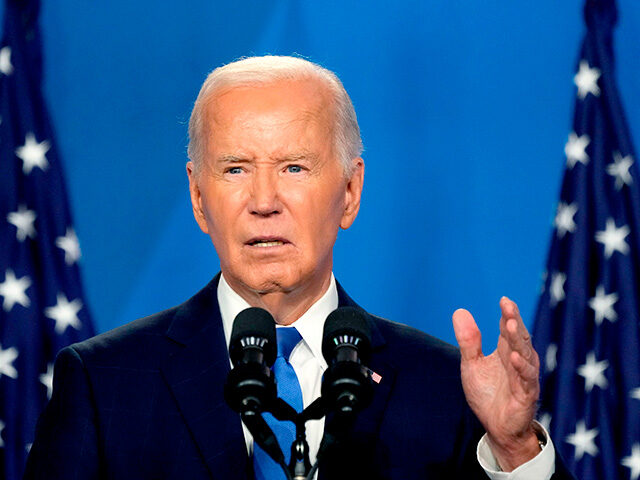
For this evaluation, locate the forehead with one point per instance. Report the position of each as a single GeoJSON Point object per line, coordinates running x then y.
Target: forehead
{"type": "Point", "coordinates": [276, 104]}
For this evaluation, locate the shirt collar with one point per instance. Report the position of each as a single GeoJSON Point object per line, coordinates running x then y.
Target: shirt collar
{"type": "Point", "coordinates": [310, 324]}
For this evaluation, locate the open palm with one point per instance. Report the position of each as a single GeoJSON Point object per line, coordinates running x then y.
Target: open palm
{"type": "Point", "coordinates": [503, 388]}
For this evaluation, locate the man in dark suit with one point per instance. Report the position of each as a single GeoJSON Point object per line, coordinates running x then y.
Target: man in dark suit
{"type": "Point", "coordinates": [275, 171]}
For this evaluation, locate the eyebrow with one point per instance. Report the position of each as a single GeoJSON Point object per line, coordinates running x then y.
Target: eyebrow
{"type": "Point", "coordinates": [232, 159]}
{"type": "Point", "coordinates": [295, 157]}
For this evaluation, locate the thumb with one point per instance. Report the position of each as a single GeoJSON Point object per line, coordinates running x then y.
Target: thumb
{"type": "Point", "coordinates": [467, 334]}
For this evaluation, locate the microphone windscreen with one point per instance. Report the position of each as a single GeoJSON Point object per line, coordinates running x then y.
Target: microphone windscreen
{"type": "Point", "coordinates": [347, 321]}
{"type": "Point", "coordinates": [255, 322]}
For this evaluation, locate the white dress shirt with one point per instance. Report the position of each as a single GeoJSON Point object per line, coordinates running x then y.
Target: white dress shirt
{"type": "Point", "coordinates": [309, 364]}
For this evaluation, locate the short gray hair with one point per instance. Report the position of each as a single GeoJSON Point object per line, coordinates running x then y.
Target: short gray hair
{"type": "Point", "coordinates": [268, 69]}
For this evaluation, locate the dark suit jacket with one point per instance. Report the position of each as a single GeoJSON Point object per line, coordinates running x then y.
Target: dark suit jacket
{"type": "Point", "coordinates": [145, 401]}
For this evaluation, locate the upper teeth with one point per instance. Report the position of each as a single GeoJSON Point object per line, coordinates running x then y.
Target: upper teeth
{"type": "Point", "coordinates": [267, 244]}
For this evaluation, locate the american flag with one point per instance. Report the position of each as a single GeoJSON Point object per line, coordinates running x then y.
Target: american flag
{"type": "Point", "coordinates": [42, 308]}
{"type": "Point", "coordinates": [587, 327]}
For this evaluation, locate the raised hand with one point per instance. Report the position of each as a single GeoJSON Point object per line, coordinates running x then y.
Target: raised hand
{"type": "Point", "coordinates": [503, 388]}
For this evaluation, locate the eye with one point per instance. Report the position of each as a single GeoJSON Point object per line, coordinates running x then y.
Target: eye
{"type": "Point", "coordinates": [234, 170]}
{"type": "Point", "coordinates": [294, 169]}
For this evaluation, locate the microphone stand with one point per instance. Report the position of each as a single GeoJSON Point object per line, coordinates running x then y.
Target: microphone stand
{"type": "Point", "coordinates": [299, 467]}
{"type": "Point", "coordinates": [335, 431]}
{"type": "Point", "coordinates": [300, 464]}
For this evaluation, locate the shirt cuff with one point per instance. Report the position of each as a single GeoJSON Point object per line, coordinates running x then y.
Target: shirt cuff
{"type": "Point", "coordinates": [540, 467]}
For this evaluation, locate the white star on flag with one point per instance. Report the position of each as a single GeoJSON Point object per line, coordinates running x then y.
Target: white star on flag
{"type": "Point", "coordinates": [33, 153]}
{"type": "Point", "coordinates": [593, 372]}
{"type": "Point", "coordinates": [564, 218]}
{"type": "Point", "coordinates": [64, 313]}
{"type": "Point", "coordinates": [576, 149]}
{"type": "Point", "coordinates": [550, 357]}
{"type": "Point", "coordinates": [587, 80]}
{"type": "Point", "coordinates": [583, 441]}
{"type": "Point", "coordinates": [1, 428]}
{"type": "Point", "coordinates": [633, 461]}
{"type": "Point", "coordinates": [47, 379]}
{"type": "Point", "coordinates": [620, 169]}
{"type": "Point", "coordinates": [13, 290]}
{"type": "Point", "coordinates": [602, 304]}
{"type": "Point", "coordinates": [23, 220]}
{"type": "Point", "coordinates": [556, 290]}
{"type": "Point", "coordinates": [5, 61]}
{"type": "Point", "coordinates": [613, 238]}
{"type": "Point", "coordinates": [69, 243]}
{"type": "Point", "coordinates": [635, 393]}
{"type": "Point", "coordinates": [6, 362]}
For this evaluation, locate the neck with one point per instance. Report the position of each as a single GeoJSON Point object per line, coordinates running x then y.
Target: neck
{"type": "Point", "coordinates": [286, 306]}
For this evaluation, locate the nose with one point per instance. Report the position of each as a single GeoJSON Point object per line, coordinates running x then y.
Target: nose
{"type": "Point", "coordinates": [265, 200]}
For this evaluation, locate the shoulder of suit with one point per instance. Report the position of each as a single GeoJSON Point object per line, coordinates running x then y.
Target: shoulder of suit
{"type": "Point", "coordinates": [409, 345]}
{"type": "Point", "coordinates": [137, 336]}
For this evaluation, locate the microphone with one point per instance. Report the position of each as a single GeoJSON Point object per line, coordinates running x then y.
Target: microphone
{"type": "Point", "coordinates": [250, 386]}
{"type": "Point", "coordinates": [346, 346]}
{"type": "Point", "coordinates": [346, 386]}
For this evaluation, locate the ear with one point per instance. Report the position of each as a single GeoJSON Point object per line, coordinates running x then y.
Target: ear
{"type": "Point", "coordinates": [196, 198]}
{"type": "Point", "coordinates": [352, 194]}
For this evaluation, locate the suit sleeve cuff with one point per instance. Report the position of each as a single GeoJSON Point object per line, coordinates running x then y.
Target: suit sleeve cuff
{"type": "Point", "coordinates": [540, 467]}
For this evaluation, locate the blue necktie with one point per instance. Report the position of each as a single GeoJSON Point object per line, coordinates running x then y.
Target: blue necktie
{"type": "Point", "coordinates": [289, 390]}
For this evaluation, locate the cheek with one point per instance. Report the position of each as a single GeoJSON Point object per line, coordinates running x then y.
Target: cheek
{"type": "Point", "coordinates": [332, 206]}
{"type": "Point", "coordinates": [322, 215]}
{"type": "Point", "coordinates": [221, 212]}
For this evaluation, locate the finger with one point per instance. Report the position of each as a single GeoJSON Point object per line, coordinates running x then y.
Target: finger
{"type": "Point", "coordinates": [527, 375]}
{"type": "Point", "coordinates": [512, 328]}
{"type": "Point", "coordinates": [523, 359]}
{"type": "Point", "coordinates": [519, 341]}
{"type": "Point", "coordinates": [522, 375]}
{"type": "Point", "coordinates": [467, 334]}
{"type": "Point", "coordinates": [509, 310]}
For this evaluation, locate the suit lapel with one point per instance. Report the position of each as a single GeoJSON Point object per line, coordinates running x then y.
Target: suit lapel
{"type": "Point", "coordinates": [196, 375]}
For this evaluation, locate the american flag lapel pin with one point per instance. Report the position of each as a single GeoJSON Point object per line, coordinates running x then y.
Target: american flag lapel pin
{"type": "Point", "coordinates": [374, 376]}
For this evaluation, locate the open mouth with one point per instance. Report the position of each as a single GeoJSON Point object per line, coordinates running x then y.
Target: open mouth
{"type": "Point", "coordinates": [266, 242]}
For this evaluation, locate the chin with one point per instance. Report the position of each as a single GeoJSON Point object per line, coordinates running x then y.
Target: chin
{"type": "Point", "coordinates": [270, 279]}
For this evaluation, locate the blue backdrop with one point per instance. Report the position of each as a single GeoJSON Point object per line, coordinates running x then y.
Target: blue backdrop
{"type": "Point", "coordinates": [464, 107]}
